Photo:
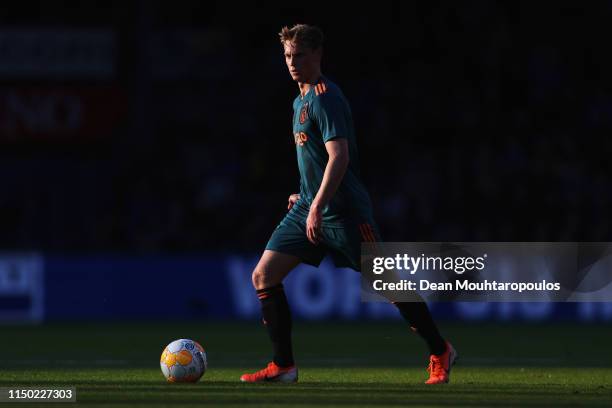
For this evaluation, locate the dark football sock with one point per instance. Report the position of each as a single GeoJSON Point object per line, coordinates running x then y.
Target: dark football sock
{"type": "Point", "coordinates": [418, 316]}
{"type": "Point", "coordinates": [277, 318]}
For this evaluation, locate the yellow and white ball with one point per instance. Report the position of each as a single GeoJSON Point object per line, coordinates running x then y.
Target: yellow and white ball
{"type": "Point", "coordinates": [183, 360]}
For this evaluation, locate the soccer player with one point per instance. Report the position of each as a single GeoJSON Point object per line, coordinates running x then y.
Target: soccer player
{"type": "Point", "coordinates": [332, 214]}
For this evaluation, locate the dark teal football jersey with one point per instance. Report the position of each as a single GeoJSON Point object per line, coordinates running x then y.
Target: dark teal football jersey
{"type": "Point", "coordinates": [323, 114]}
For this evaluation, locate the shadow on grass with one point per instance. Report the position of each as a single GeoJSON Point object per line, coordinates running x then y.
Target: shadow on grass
{"type": "Point", "coordinates": [339, 394]}
{"type": "Point", "coordinates": [334, 393]}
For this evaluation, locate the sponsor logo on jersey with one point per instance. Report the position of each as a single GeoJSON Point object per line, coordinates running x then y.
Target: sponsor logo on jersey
{"type": "Point", "coordinates": [300, 138]}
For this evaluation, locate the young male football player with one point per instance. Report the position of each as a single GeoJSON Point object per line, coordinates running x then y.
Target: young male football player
{"type": "Point", "coordinates": [332, 214]}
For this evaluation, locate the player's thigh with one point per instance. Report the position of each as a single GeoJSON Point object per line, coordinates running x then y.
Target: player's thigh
{"type": "Point", "coordinates": [345, 243]}
{"type": "Point", "coordinates": [290, 238]}
{"type": "Point", "coordinates": [272, 268]}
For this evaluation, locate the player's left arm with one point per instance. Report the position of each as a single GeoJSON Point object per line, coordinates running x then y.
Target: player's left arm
{"type": "Point", "coordinates": [337, 163]}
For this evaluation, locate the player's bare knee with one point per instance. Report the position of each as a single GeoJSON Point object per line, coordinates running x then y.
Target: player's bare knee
{"type": "Point", "coordinates": [259, 278]}
{"type": "Point", "coordinates": [264, 277]}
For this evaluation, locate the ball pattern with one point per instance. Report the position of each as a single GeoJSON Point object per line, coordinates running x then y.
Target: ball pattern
{"type": "Point", "coordinates": [183, 360]}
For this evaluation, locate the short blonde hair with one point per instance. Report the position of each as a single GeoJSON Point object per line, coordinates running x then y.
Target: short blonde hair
{"type": "Point", "coordinates": [303, 34]}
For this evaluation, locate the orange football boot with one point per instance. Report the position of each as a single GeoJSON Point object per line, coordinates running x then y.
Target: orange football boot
{"type": "Point", "coordinates": [440, 366]}
{"type": "Point", "coordinates": [272, 373]}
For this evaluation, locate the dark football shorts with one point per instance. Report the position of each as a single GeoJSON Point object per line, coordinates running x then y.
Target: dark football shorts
{"type": "Point", "coordinates": [342, 243]}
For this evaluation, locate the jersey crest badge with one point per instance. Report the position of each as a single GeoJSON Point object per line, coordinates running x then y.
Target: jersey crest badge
{"type": "Point", "coordinates": [304, 114]}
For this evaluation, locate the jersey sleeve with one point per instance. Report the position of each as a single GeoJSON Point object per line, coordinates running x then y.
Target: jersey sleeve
{"type": "Point", "coordinates": [329, 113]}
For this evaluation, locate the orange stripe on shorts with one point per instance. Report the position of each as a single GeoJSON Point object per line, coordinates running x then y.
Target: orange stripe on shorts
{"type": "Point", "coordinates": [371, 231]}
{"type": "Point", "coordinates": [364, 234]}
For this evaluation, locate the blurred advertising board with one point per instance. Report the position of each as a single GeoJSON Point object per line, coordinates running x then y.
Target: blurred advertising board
{"type": "Point", "coordinates": [21, 287]}
{"type": "Point", "coordinates": [214, 286]}
{"type": "Point", "coordinates": [49, 113]}
{"type": "Point", "coordinates": [57, 53]}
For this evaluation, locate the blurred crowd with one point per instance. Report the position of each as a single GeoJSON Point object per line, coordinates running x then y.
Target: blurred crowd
{"type": "Point", "coordinates": [476, 121]}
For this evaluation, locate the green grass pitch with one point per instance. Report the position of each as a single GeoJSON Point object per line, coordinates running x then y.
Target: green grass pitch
{"type": "Point", "coordinates": [341, 364]}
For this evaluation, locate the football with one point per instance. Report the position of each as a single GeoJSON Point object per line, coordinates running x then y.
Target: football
{"type": "Point", "coordinates": [183, 360]}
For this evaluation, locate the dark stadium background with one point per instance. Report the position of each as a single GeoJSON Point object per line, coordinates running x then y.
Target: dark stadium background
{"type": "Point", "coordinates": [143, 142]}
